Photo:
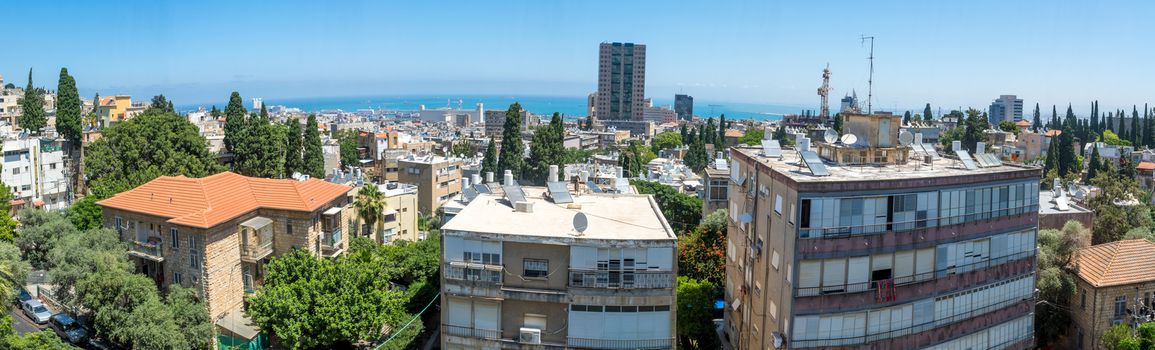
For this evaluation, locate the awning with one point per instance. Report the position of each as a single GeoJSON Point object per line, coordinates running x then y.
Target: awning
{"type": "Point", "coordinates": [333, 211]}
{"type": "Point", "coordinates": [38, 203]}
{"type": "Point", "coordinates": [16, 202]}
{"type": "Point", "coordinates": [389, 211]}
{"type": "Point", "coordinates": [257, 223]}
{"type": "Point", "coordinates": [235, 322]}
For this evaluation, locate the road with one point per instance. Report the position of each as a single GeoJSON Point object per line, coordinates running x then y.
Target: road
{"type": "Point", "coordinates": [21, 323]}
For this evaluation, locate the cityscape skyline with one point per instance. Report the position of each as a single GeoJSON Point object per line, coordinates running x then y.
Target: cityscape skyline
{"type": "Point", "coordinates": [197, 53]}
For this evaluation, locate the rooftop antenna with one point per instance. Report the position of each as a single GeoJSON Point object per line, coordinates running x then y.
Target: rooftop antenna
{"type": "Point", "coordinates": [580, 223]}
{"type": "Point", "coordinates": [870, 80]}
{"type": "Point", "coordinates": [824, 91]}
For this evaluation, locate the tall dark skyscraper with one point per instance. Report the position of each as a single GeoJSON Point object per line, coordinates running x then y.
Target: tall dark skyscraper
{"type": "Point", "coordinates": [684, 106]}
{"type": "Point", "coordinates": [621, 81]}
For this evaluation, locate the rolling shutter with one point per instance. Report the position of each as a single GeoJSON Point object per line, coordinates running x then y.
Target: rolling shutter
{"type": "Point", "coordinates": [903, 265]}
{"type": "Point", "coordinates": [834, 275]}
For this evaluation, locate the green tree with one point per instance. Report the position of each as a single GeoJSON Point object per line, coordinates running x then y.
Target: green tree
{"type": "Point", "coordinates": [838, 122]}
{"type": "Point", "coordinates": [78, 254]}
{"type": "Point", "coordinates": [39, 231]}
{"type": "Point", "coordinates": [143, 148]}
{"type": "Point", "coordinates": [975, 129]}
{"type": "Point", "coordinates": [682, 211]}
{"type": "Point", "coordinates": [13, 270]}
{"type": "Point", "coordinates": [32, 117]}
{"type": "Point", "coordinates": [1119, 337]}
{"type": "Point", "coordinates": [696, 157]}
{"type": "Point", "coordinates": [1009, 126]}
{"type": "Point", "coordinates": [255, 151]}
{"type": "Point", "coordinates": [512, 150]}
{"type": "Point", "coordinates": [312, 154]}
{"type": "Point", "coordinates": [41, 340]}
{"type": "Point", "coordinates": [906, 118]}
{"type": "Point", "coordinates": [68, 109]}
{"type": "Point", "coordinates": [666, 140]}
{"type": "Point", "coordinates": [709, 132]}
{"type": "Point", "coordinates": [702, 251]}
{"type": "Point", "coordinates": [235, 120]}
{"type": "Point", "coordinates": [347, 141]}
{"type": "Point", "coordinates": [370, 204]}
{"type": "Point", "coordinates": [294, 147]}
{"type": "Point", "coordinates": [1094, 164]}
{"type": "Point", "coordinates": [1038, 122]}
{"type": "Point", "coordinates": [685, 131]}
{"type": "Point", "coordinates": [695, 314]}
{"type": "Point", "coordinates": [190, 316]}
{"type": "Point", "coordinates": [721, 138]}
{"type": "Point", "coordinates": [753, 136]}
{"type": "Point", "coordinates": [489, 162]}
{"type": "Point", "coordinates": [162, 103]}
{"type": "Point", "coordinates": [1112, 221]}
{"type": "Point", "coordinates": [926, 113]}
{"type": "Point", "coordinates": [547, 148]}
{"type": "Point", "coordinates": [1055, 282]}
{"type": "Point", "coordinates": [1066, 151]}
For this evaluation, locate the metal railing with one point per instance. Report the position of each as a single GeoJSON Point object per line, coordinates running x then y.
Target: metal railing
{"type": "Point", "coordinates": [470, 332]}
{"type": "Point", "coordinates": [905, 280]}
{"type": "Point", "coordinates": [473, 272]}
{"type": "Point", "coordinates": [259, 243]}
{"type": "Point", "coordinates": [911, 225]}
{"type": "Point", "coordinates": [919, 328]}
{"type": "Point", "coordinates": [148, 249]}
{"type": "Point", "coordinates": [662, 343]}
{"type": "Point", "coordinates": [331, 238]}
{"type": "Point", "coordinates": [637, 279]}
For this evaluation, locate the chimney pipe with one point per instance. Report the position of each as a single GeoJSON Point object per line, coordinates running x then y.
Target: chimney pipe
{"type": "Point", "coordinates": [489, 177]}
{"type": "Point", "coordinates": [553, 173]}
{"type": "Point", "coordinates": [508, 178]}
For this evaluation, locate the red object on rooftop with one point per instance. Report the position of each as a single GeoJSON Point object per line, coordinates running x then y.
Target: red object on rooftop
{"type": "Point", "coordinates": [1145, 166]}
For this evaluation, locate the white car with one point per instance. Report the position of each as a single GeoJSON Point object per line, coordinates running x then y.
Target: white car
{"type": "Point", "coordinates": [36, 311]}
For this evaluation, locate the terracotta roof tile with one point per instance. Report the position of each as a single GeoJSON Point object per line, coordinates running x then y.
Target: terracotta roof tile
{"type": "Point", "coordinates": [1053, 132]}
{"type": "Point", "coordinates": [1145, 166]}
{"type": "Point", "coordinates": [211, 200]}
{"type": "Point", "coordinates": [734, 133]}
{"type": "Point", "coordinates": [1023, 123]}
{"type": "Point", "coordinates": [1117, 263]}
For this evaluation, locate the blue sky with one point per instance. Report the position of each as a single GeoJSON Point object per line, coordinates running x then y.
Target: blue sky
{"type": "Point", "coordinates": [947, 53]}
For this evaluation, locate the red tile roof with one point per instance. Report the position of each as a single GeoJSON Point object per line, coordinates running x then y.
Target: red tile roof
{"type": "Point", "coordinates": [1117, 263]}
{"type": "Point", "coordinates": [1145, 166]}
{"type": "Point", "coordinates": [212, 200]}
{"type": "Point", "coordinates": [1053, 132]}
{"type": "Point", "coordinates": [1023, 124]}
{"type": "Point", "coordinates": [734, 133]}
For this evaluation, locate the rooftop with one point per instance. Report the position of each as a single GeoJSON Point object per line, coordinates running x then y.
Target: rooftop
{"type": "Point", "coordinates": [790, 164]}
{"type": "Point", "coordinates": [610, 217]}
{"type": "Point", "coordinates": [212, 200]}
{"type": "Point", "coordinates": [1117, 263]}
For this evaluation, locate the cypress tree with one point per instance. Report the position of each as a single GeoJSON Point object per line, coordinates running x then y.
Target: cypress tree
{"type": "Point", "coordinates": [294, 147]}
{"type": "Point", "coordinates": [32, 117]}
{"type": "Point", "coordinates": [547, 148]}
{"type": "Point", "coordinates": [1136, 133]}
{"type": "Point", "coordinates": [1038, 122]}
{"type": "Point", "coordinates": [685, 134]}
{"type": "Point", "coordinates": [1052, 157]}
{"type": "Point", "coordinates": [906, 118]}
{"type": "Point", "coordinates": [512, 150]}
{"type": "Point", "coordinates": [721, 140]}
{"type": "Point", "coordinates": [68, 109]}
{"type": "Point", "coordinates": [489, 163]}
{"type": "Point", "coordinates": [1110, 122]}
{"type": "Point", "coordinates": [264, 112]}
{"type": "Point", "coordinates": [1094, 118]}
{"type": "Point", "coordinates": [1066, 151]}
{"type": "Point", "coordinates": [1094, 164]}
{"type": "Point", "coordinates": [925, 113]}
{"type": "Point", "coordinates": [234, 121]}
{"type": "Point", "coordinates": [313, 154]}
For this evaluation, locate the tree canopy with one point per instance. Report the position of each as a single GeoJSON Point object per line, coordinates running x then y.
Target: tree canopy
{"type": "Point", "coordinates": [313, 155]}
{"type": "Point", "coordinates": [695, 310]}
{"type": "Point", "coordinates": [666, 140]}
{"type": "Point", "coordinates": [32, 117]}
{"type": "Point", "coordinates": [682, 211]}
{"type": "Point", "coordinates": [546, 148]}
{"type": "Point", "coordinates": [235, 119]}
{"type": "Point", "coordinates": [294, 148]}
{"type": "Point", "coordinates": [68, 109]}
{"type": "Point", "coordinates": [512, 150]}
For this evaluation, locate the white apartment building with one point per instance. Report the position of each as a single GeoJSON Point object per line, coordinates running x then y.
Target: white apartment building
{"type": "Point", "coordinates": [35, 172]}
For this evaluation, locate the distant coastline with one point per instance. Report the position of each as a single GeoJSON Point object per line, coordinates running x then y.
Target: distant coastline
{"type": "Point", "coordinates": [569, 106]}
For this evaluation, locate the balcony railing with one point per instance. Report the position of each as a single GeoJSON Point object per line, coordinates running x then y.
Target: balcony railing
{"type": "Point", "coordinates": [920, 277]}
{"type": "Point", "coordinates": [148, 250]}
{"type": "Point", "coordinates": [470, 332]}
{"type": "Point", "coordinates": [331, 242]}
{"type": "Point", "coordinates": [258, 245]}
{"type": "Point", "coordinates": [663, 343]}
{"type": "Point", "coordinates": [910, 225]}
{"type": "Point", "coordinates": [473, 272]}
{"type": "Point", "coordinates": [638, 279]}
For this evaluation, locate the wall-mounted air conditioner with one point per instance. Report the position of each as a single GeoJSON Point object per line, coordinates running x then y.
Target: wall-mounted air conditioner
{"type": "Point", "coordinates": [531, 335]}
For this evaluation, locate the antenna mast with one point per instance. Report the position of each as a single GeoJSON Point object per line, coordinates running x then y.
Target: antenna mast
{"type": "Point", "coordinates": [824, 91]}
{"type": "Point", "coordinates": [870, 81]}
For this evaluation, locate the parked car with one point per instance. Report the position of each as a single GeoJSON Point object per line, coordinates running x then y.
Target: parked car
{"type": "Point", "coordinates": [23, 296]}
{"type": "Point", "coordinates": [36, 311]}
{"type": "Point", "coordinates": [68, 329]}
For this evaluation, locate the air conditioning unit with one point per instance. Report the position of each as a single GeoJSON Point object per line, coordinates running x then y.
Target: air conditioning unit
{"type": "Point", "coordinates": [531, 335]}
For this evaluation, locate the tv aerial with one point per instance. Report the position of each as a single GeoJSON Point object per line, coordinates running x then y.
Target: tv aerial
{"type": "Point", "coordinates": [905, 138]}
{"type": "Point", "coordinates": [849, 139]}
{"type": "Point", "coordinates": [830, 136]}
{"type": "Point", "coordinates": [580, 223]}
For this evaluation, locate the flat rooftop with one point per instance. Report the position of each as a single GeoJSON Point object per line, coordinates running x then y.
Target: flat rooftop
{"type": "Point", "coordinates": [790, 164]}
{"type": "Point", "coordinates": [610, 217]}
{"type": "Point", "coordinates": [1047, 204]}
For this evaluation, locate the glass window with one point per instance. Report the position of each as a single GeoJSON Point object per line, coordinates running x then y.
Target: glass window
{"type": "Point", "coordinates": [536, 268]}
{"type": "Point", "coordinates": [174, 237]}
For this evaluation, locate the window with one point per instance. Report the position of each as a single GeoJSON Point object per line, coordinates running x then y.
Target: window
{"type": "Point", "coordinates": [16, 171]}
{"type": "Point", "coordinates": [1083, 300]}
{"type": "Point", "coordinates": [52, 166]}
{"type": "Point", "coordinates": [1120, 306]}
{"type": "Point", "coordinates": [778, 204]}
{"type": "Point", "coordinates": [193, 257]}
{"type": "Point", "coordinates": [176, 277]}
{"type": "Point", "coordinates": [172, 232]}
{"type": "Point", "coordinates": [536, 268]}
{"type": "Point", "coordinates": [195, 279]}
{"type": "Point", "coordinates": [289, 227]}
{"type": "Point", "coordinates": [119, 225]}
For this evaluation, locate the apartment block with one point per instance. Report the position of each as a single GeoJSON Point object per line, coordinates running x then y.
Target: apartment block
{"type": "Point", "coordinates": [399, 220]}
{"type": "Point", "coordinates": [1113, 286]}
{"type": "Point", "coordinates": [684, 106]}
{"type": "Point", "coordinates": [495, 122]}
{"type": "Point", "coordinates": [35, 171]}
{"type": "Point", "coordinates": [621, 81]}
{"type": "Point", "coordinates": [880, 244]}
{"type": "Point", "coordinates": [553, 268]}
{"type": "Point", "coordinates": [215, 234]}
{"type": "Point", "coordinates": [439, 179]}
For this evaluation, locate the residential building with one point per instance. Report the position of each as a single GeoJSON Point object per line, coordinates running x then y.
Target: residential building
{"type": "Point", "coordinates": [115, 109]}
{"type": "Point", "coordinates": [1006, 107]}
{"type": "Point", "coordinates": [216, 234]}
{"type": "Point", "coordinates": [621, 81]}
{"type": "Point", "coordinates": [399, 220]}
{"type": "Point", "coordinates": [495, 122]}
{"type": "Point", "coordinates": [528, 268]}
{"type": "Point", "coordinates": [636, 128]}
{"type": "Point", "coordinates": [439, 179]}
{"type": "Point", "coordinates": [1113, 286]}
{"type": "Point", "coordinates": [870, 246]}
{"type": "Point", "coordinates": [659, 115]}
{"type": "Point", "coordinates": [684, 107]}
{"type": "Point", "coordinates": [35, 171]}
{"type": "Point", "coordinates": [1058, 206]}
{"type": "Point", "coordinates": [591, 105]}
{"type": "Point", "coordinates": [716, 186]}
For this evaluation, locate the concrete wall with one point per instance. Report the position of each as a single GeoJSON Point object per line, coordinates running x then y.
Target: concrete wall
{"type": "Point", "coordinates": [1095, 312]}
{"type": "Point", "coordinates": [557, 255]}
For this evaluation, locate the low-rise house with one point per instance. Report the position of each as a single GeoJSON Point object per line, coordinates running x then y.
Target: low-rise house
{"type": "Point", "coordinates": [1113, 286]}
{"type": "Point", "coordinates": [215, 234]}
{"type": "Point", "coordinates": [438, 177]}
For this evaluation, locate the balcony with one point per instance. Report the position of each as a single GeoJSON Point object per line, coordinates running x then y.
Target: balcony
{"type": "Point", "coordinates": [331, 244]}
{"type": "Point", "coordinates": [590, 278]}
{"type": "Point", "coordinates": [470, 332]}
{"type": "Point", "coordinates": [149, 249]}
{"type": "Point", "coordinates": [586, 343]}
{"type": "Point", "coordinates": [256, 239]}
{"type": "Point", "coordinates": [462, 271]}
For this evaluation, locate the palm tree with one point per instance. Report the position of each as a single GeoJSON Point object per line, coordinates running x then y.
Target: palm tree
{"type": "Point", "coordinates": [370, 205]}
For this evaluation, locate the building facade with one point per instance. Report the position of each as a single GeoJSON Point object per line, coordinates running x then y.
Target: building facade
{"type": "Point", "coordinates": [35, 170]}
{"type": "Point", "coordinates": [621, 81]}
{"type": "Point", "coordinates": [399, 220]}
{"type": "Point", "coordinates": [907, 255]}
{"type": "Point", "coordinates": [1113, 286]}
{"type": "Point", "coordinates": [215, 234]}
{"type": "Point", "coordinates": [684, 106]}
{"type": "Point", "coordinates": [439, 179]}
{"type": "Point", "coordinates": [495, 122]}
{"type": "Point", "coordinates": [522, 275]}
{"type": "Point", "coordinates": [1006, 107]}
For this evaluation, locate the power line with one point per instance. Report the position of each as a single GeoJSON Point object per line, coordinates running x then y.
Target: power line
{"type": "Point", "coordinates": [415, 317]}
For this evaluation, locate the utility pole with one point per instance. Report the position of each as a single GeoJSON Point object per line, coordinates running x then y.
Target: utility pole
{"type": "Point", "coordinates": [870, 81]}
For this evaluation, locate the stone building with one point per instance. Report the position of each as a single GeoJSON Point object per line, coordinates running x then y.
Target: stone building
{"type": "Point", "coordinates": [1113, 285]}
{"type": "Point", "coordinates": [215, 234]}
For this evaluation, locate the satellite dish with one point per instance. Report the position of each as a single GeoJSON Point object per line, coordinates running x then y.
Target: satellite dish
{"type": "Point", "coordinates": [905, 138]}
{"type": "Point", "coordinates": [849, 139]}
{"type": "Point", "coordinates": [830, 135]}
{"type": "Point", "coordinates": [580, 222]}
{"type": "Point", "coordinates": [745, 218]}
